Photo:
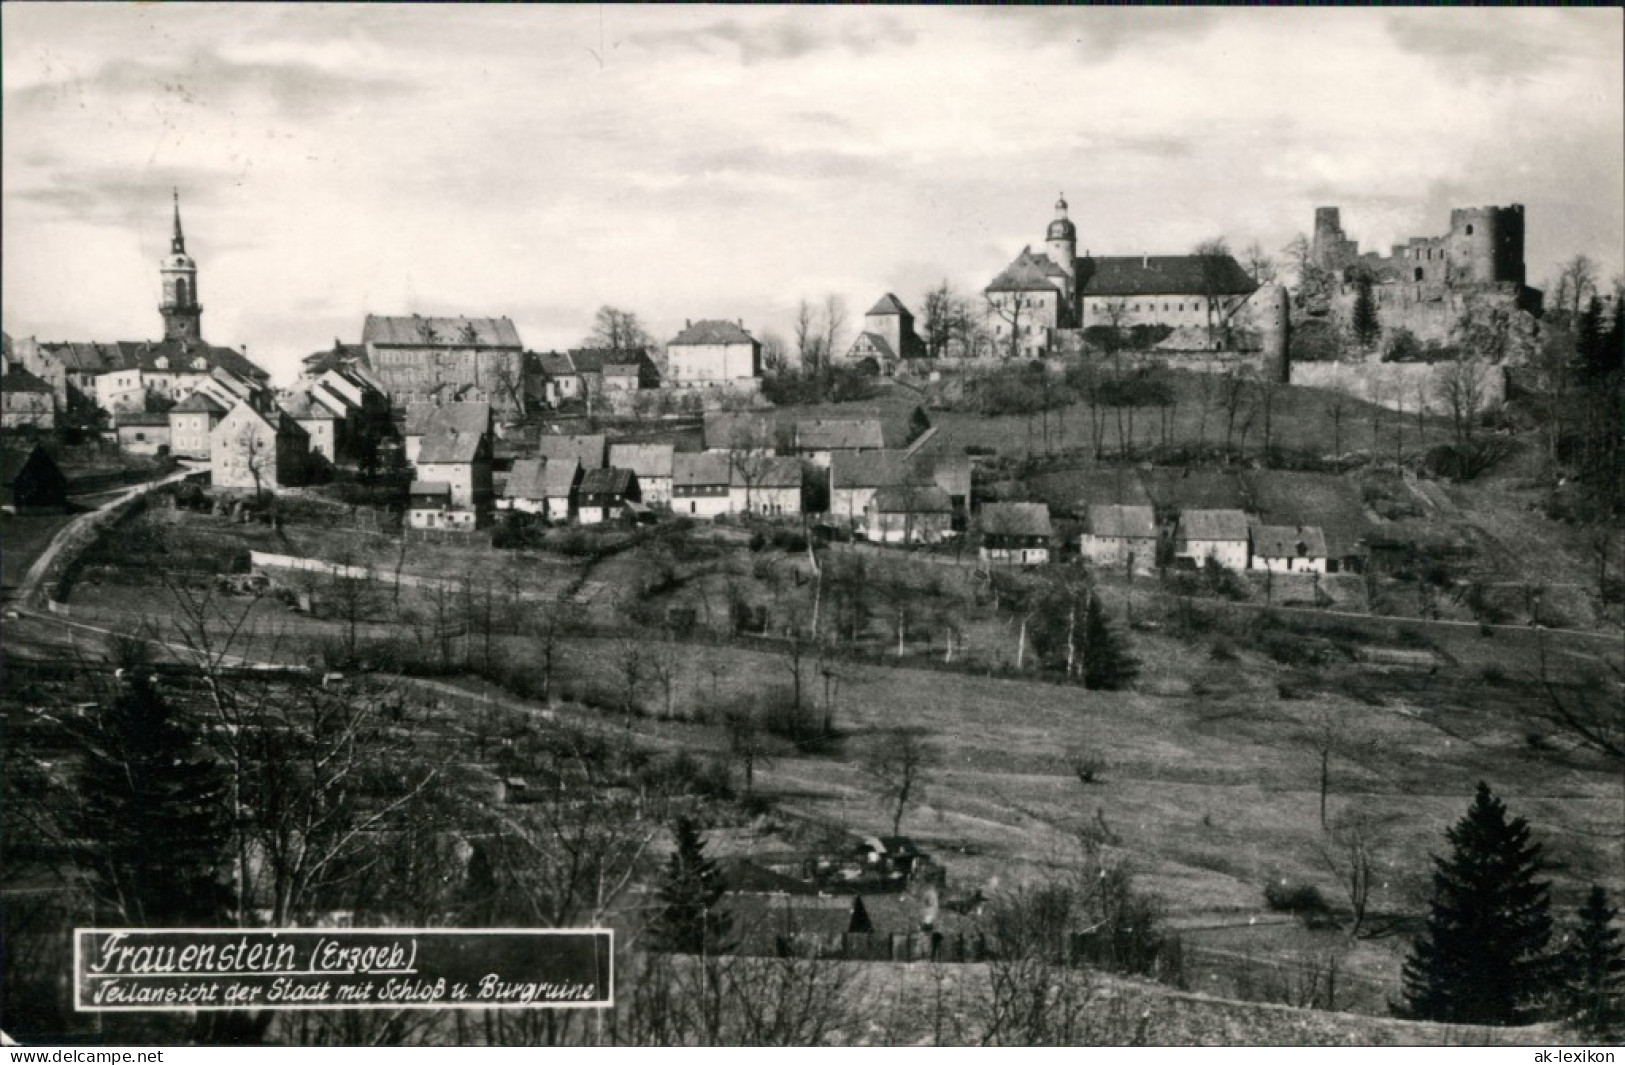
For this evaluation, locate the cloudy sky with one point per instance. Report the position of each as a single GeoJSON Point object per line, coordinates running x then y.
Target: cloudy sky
{"type": "Point", "coordinates": [692, 162]}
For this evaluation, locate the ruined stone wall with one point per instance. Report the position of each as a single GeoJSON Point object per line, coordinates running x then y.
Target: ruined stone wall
{"type": "Point", "coordinates": [1395, 385]}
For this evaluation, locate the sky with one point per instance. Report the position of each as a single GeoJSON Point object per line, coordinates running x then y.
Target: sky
{"type": "Point", "coordinates": [696, 162]}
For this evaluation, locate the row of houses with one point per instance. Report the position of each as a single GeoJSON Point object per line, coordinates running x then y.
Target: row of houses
{"type": "Point", "coordinates": [1128, 536]}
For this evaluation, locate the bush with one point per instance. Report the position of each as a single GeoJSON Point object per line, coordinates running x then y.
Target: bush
{"type": "Point", "coordinates": [1304, 900]}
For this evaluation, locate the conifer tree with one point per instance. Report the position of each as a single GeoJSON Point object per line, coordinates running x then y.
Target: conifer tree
{"type": "Point", "coordinates": [690, 922]}
{"type": "Point", "coordinates": [152, 829]}
{"type": "Point", "coordinates": [1363, 321]}
{"type": "Point", "coordinates": [1107, 665]}
{"type": "Point", "coordinates": [1593, 963]}
{"type": "Point", "coordinates": [1483, 956]}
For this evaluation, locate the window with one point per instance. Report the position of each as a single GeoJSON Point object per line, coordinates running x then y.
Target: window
{"type": "Point", "coordinates": [1469, 229]}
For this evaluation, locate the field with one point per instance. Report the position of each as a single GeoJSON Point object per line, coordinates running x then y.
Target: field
{"type": "Point", "coordinates": [23, 538]}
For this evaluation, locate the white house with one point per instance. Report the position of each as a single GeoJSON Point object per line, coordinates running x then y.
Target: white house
{"type": "Point", "coordinates": [423, 419]}
{"type": "Point", "coordinates": [142, 432]}
{"type": "Point", "coordinates": [588, 449]}
{"type": "Point", "coordinates": [430, 507]}
{"type": "Point", "coordinates": [765, 485]}
{"type": "Point", "coordinates": [1015, 533]}
{"type": "Point", "coordinates": [701, 484]}
{"type": "Point", "coordinates": [714, 354]}
{"type": "Point", "coordinates": [1217, 534]}
{"type": "Point", "coordinates": [652, 463]}
{"type": "Point", "coordinates": [257, 452]}
{"type": "Point", "coordinates": [191, 424]}
{"type": "Point", "coordinates": [462, 460]}
{"type": "Point", "coordinates": [1121, 536]}
{"type": "Point", "coordinates": [901, 514]}
{"type": "Point", "coordinates": [1289, 549]}
{"type": "Point", "coordinates": [604, 493]}
{"type": "Point", "coordinates": [818, 439]}
{"type": "Point", "coordinates": [542, 486]}
{"type": "Point", "coordinates": [317, 419]}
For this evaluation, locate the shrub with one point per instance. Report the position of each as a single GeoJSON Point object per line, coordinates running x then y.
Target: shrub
{"type": "Point", "coordinates": [1305, 900]}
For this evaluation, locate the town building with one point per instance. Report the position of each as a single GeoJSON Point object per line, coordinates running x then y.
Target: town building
{"type": "Point", "coordinates": [542, 486]}
{"type": "Point", "coordinates": [855, 476]}
{"type": "Point", "coordinates": [1015, 533]}
{"type": "Point", "coordinates": [652, 463]}
{"type": "Point", "coordinates": [459, 457]}
{"type": "Point", "coordinates": [714, 354]}
{"type": "Point", "coordinates": [591, 450]}
{"type": "Point", "coordinates": [764, 485]}
{"type": "Point", "coordinates": [27, 401]}
{"type": "Point", "coordinates": [142, 432]}
{"type": "Point", "coordinates": [1289, 549]}
{"type": "Point", "coordinates": [701, 483]}
{"type": "Point", "coordinates": [1217, 534]}
{"type": "Point", "coordinates": [604, 494]}
{"type": "Point", "coordinates": [258, 452]}
{"type": "Point", "coordinates": [1121, 536]}
{"type": "Point", "coordinates": [446, 360]}
{"type": "Point", "coordinates": [887, 337]}
{"type": "Point", "coordinates": [554, 377]}
{"type": "Point", "coordinates": [908, 514]}
{"type": "Point", "coordinates": [30, 481]}
{"type": "Point", "coordinates": [1043, 294]}
{"type": "Point", "coordinates": [817, 439]}
{"type": "Point", "coordinates": [429, 506]}
{"type": "Point", "coordinates": [191, 425]}
{"type": "Point", "coordinates": [317, 419]}
{"type": "Point", "coordinates": [423, 420]}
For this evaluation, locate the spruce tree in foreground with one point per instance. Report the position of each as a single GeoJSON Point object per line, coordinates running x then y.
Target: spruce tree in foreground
{"type": "Point", "coordinates": [1593, 963]}
{"type": "Point", "coordinates": [1107, 665]}
{"type": "Point", "coordinates": [690, 922]}
{"type": "Point", "coordinates": [1483, 957]}
{"type": "Point", "coordinates": [1363, 320]}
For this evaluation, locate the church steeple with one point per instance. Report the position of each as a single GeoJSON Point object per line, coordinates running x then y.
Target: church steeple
{"type": "Point", "coordinates": [183, 314]}
{"type": "Point", "coordinates": [177, 243]}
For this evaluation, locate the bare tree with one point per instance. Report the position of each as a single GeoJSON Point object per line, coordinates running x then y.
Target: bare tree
{"type": "Point", "coordinates": [1576, 284]}
{"type": "Point", "coordinates": [1349, 853]}
{"type": "Point", "coordinates": [618, 330]}
{"type": "Point", "coordinates": [898, 765]}
{"type": "Point", "coordinates": [1259, 265]}
{"type": "Point", "coordinates": [1011, 311]}
{"type": "Point", "coordinates": [834, 322]}
{"type": "Point", "coordinates": [1460, 387]}
{"type": "Point", "coordinates": [1212, 256]}
{"type": "Point", "coordinates": [664, 659]}
{"type": "Point", "coordinates": [808, 341]}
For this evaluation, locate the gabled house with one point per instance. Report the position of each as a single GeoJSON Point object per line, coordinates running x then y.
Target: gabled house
{"type": "Point", "coordinates": [317, 419]}
{"type": "Point", "coordinates": [429, 506]}
{"type": "Point", "coordinates": [542, 486]}
{"type": "Point", "coordinates": [1015, 533]}
{"type": "Point", "coordinates": [1121, 536]}
{"type": "Point", "coordinates": [742, 431]}
{"type": "Point", "coordinates": [714, 354]}
{"type": "Point", "coordinates": [888, 337]}
{"type": "Point", "coordinates": [1217, 534]}
{"type": "Point", "coordinates": [461, 459]}
{"type": "Point", "coordinates": [604, 493]}
{"type": "Point", "coordinates": [191, 424]}
{"type": "Point", "coordinates": [589, 450]}
{"type": "Point", "coordinates": [652, 463]}
{"type": "Point", "coordinates": [554, 375]}
{"type": "Point", "coordinates": [908, 514]}
{"type": "Point", "coordinates": [26, 400]}
{"type": "Point", "coordinates": [818, 439]}
{"type": "Point", "coordinates": [257, 452]}
{"type": "Point", "coordinates": [1289, 548]}
{"type": "Point", "coordinates": [424, 419]}
{"type": "Point", "coordinates": [764, 485]}
{"type": "Point", "coordinates": [854, 476]}
{"type": "Point", "coordinates": [701, 484]}
{"type": "Point", "coordinates": [30, 481]}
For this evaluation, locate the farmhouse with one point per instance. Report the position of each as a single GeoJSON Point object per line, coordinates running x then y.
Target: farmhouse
{"type": "Point", "coordinates": [588, 450]}
{"type": "Point", "coordinates": [1121, 536]}
{"type": "Point", "coordinates": [424, 419]}
{"type": "Point", "coordinates": [462, 460]}
{"type": "Point", "coordinates": [143, 432]}
{"type": "Point", "coordinates": [257, 452]}
{"type": "Point", "coordinates": [604, 493]}
{"type": "Point", "coordinates": [555, 375]}
{"type": "Point", "coordinates": [742, 431]}
{"type": "Point", "coordinates": [430, 507]}
{"type": "Point", "coordinates": [191, 421]}
{"type": "Point", "coordinates": [764, 484]}
{"type": "Point", "coordinates": [317, 419]}
{"type": "Point", "coordinates": [1217, 534]}
{"type": "Point", "coordinates": [1015, 533]}
{"type": "Point", "coordinates": [30, 481]}
{"type": "Point", "coordinates": [888, 337]}
{"type": "Point", "coordinates": [542, 486]}
{"type": "Point", "coordinates": [26, 401]}
{"type": "Point", "coordinates": [819, 439]}
{"type": "Point", "coordinates": [908, 514]}
{"type": "Point", "coordinates": [701, 484]}
{"type": "Point", "coordinates": [714, 354]}
{"type": "Point", "coordinates": [652, 464]}
{"type": "Point", "coordinates": [1289, 549]}
{"type": "Point", "coordinates": [854, 476]}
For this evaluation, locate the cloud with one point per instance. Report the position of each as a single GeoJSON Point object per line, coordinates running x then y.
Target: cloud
{"type": "Point", "coordinates": [1099, 33]}
{"type": "Point", "coordinates": [296, 90]}
{"type": "Point", "coordinates": [807, 33]}
{"type": "Point", "coordinates": [1512, 45]}
{"type": "Point", "coordinates": [112, 197]}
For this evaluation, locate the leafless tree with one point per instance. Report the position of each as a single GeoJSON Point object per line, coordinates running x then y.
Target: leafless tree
{"type": "Point", "coordinates": [1461, 387]}
{"type": "Point", "coordinates": [898, 765]}
{"type": "Point", "coordinates": [1012, 311]}
{"type": "Point", "coordinates": [834, 322]}
{"type": "Point", "coordinates": [664, 659]}
{"type": "Point", "coordinates": [1212, 255]}
{"type": "Point", "coordinates": [808, 341]}
{"type": "Point", "coordinates": [1259, 265]}
{"type": "Point", "coordinates": [1349, 853]}
{"type": "Point", "coordinates": [618, 330]}
{"type": "Point", "coordinates": [1576, 284]}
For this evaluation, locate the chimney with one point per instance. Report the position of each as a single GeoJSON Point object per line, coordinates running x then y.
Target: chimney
{"type": "Point", "coordinates": [1145, 262]}
{"type": "Point", "coordinates": [687, 324]}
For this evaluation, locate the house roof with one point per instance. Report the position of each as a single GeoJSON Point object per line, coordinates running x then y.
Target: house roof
{"type": "Point", "coordinates": [304, 406]}
{"type": "Point", "coordinates": [199, 402]}
{"type": "Point", "coordinates": [645, 460]}
{"type": "Point", "coordinates": [430, 488]}
{"type": "Point", "coordinates": [424, 418]}
{"type": "Point", "coordinates": [448, 444]}
{"type": "Point", "coordinates": [1213, 525]}
{"type": "Point", "coordinates": [833, 434]}
{"type": "Point", "coordinates": [700, 469]}
{"type": "Point", "coordinates": [1030, 271]}
{"type": "Point", "coordinates": [1158, 275]}
{"type": "Point", "coordinates": [889, 304]}
{"type": "Point", "coordinates": [541, 479]}
{"type": "Point", "coordinates": [13, 459]}
{"type": "Point", "coordinates": [608, 360]}
{"type": "Point", "coordinates": [585, 449]}
{"type": "Point", "coordinates": [140, 418]}
{"type": "Point", "coordinates": [622, 369]}
{"type": "Point", "coordinates": [876, 469]}
{"type": "Point", "coordinates": [606, 480]}
{"type": "Point", "coordinates": [730, 429]}
{"type": "Point", "coordinates": [1128, 522]}
{"type": "Point", "coordinates": [415, 331]}
{"type": "Point", "coordinates": [767, 472]}
{"type": "Point", "coordinates": [1015, 519]}
{"type": "Point", "coordinates": [18, 378]}
{"type": "Point", "coordinates": [176, 356]}
{"type": "Point", "coordinates": [1284, 541]}
{"type": "Point", "coordinates": [552, 363]}
{"type": "Point", "coordinates": [712, 331]}
{"type": "Point", "coordinates": [877, 343]}
{"type": "Point", "coordinates": [339, 357]}
{"type": "Point", "coordinates": [906, 499]}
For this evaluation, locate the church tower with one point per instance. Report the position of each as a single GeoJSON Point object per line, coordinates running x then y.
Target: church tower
{"type": "Point", "coordinates": [1061, 241]}
{"type": "Point", "coordinates": [183, 315]}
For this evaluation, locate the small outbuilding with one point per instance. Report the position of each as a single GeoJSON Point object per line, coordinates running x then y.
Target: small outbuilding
{"type": "Point", "coordinates": [1289, 549]}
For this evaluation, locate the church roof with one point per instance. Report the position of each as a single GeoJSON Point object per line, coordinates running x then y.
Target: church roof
{"type": "Point", "coordinates": [711, 331]}
{"type": "Point", "coordinates": [1029, 272]}
{"type": "Point", "coordinates": [1161, 275]}
{"type": "Point", "coordinates": [889, 304]}
{"type": "Point", "coordinates": [416, 331]}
